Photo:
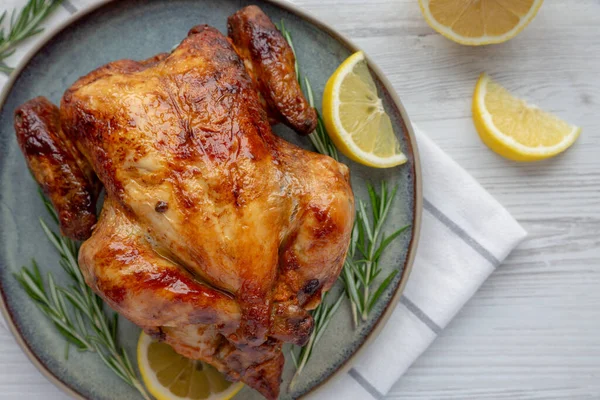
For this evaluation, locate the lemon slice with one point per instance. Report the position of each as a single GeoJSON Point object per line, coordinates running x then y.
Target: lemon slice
{"type": "Point", "coordinates": [479, 22]}
{"type": "Point", "coordinates": [355, 118]}
{"type": "Point", "coordinates": [515, 129]}
{"type": "Point", "coordinates": [170, 376]}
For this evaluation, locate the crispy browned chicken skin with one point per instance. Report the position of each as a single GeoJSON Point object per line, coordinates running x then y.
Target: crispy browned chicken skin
{"type": "Point", "coordinates": [57, 165]}
{"type": "Point", "coordinates": [270, 62]}
{"type": "Point", "coordinates": [215, 235]}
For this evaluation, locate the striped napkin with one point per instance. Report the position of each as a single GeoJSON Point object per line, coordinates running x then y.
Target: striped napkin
{"type": "Point", "coordinates": [465, 235]}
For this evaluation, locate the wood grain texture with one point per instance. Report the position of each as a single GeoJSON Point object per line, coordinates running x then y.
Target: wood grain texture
{"type": "Point", "coordinates": [531, 332]}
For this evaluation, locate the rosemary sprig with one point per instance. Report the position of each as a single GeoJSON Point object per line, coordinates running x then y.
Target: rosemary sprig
{"type": "Point", "coordinates": [370, 240]}
{"type": "Point", "coordinates": [23, 25]}
{"type": "Point", "coordinates": [322, 316]}
{"type": "Point", "coordinates": [76, 311]}
{"type": "Point", "coordinates": [367, 242]}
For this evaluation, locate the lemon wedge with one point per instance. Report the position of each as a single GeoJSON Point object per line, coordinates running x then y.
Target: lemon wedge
{"type": "Point", "coordinates": [355, 118]}
{"type": "Point", "coordinates": [479, 22]}
{"type": "Point", "coordinates": [515, 129]}
{"type": "Point", "coordinates": [170, 376]}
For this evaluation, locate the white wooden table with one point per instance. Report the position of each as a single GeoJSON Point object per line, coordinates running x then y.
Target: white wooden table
{"type": "Point", "coordinates": [532, 331]}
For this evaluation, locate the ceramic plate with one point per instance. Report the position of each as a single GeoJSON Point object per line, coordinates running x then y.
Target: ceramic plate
{"type": "Point", "coordinates": [138, 29]}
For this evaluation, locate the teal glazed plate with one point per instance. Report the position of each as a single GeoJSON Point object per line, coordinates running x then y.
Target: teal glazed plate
{"type": "Point", "coordinates": [137, 29]}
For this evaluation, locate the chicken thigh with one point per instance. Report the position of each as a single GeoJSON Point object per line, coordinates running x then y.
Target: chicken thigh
{"type": "Point", "coordinates": [215, 235]}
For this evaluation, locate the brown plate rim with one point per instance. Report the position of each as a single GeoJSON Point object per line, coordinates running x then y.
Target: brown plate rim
{"type": "Point", "coordinates": [417, 204]}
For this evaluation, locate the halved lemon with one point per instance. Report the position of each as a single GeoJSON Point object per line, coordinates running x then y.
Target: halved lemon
{"type": "Point", "coordinates": [170, 376]}
{"type": "Point", "coordinates": [515, 129]}
{"type": "Point", "coordinates": [355, 118]}
{"type": "Point", "coordinates": [479, 22]}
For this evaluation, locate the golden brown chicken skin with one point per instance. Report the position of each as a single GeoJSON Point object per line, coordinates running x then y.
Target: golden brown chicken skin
{"type": "Point", "coordinates": [56, 164]}
{"type": "Point", "coordinates": [270, 62]}
{"type": "Point", "coordinates": [215, 235]}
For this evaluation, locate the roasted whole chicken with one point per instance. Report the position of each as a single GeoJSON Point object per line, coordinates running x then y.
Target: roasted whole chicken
{"type": "Point", "coordinates": [215, 235]}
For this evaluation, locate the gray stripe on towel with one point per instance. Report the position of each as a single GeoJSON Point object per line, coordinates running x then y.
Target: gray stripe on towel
{"type": "Point", "coordinates": [460, 232]}
{"type": "Point", "coordinates": [67, 5]}
{"type": "Point", "coordinates": [365, 384]}
{"type": "Point", "coordinates": [413, 308]}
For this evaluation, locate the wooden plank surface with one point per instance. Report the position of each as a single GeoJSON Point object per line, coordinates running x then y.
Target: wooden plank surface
{"type": "Point", "coordinates": [532, 330]}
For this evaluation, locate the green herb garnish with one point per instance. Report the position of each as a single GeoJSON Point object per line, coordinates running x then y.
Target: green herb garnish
{"type": "Point", "coordinates": [321, 315]}
{"type": "Point", "coordinates": [23, 25]}
{"type": "Point", "coordinates": [76, 311]}
{"type": "Point", "coordinates": [370, 241]}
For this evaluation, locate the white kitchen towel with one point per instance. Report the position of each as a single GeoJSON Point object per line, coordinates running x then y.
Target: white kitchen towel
{"type": "Point", "coordinates": [465, 235]}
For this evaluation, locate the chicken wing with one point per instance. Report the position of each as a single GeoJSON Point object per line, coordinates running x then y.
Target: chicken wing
{"type": "Point", "coordinates": [270, 62]}
{"type": "Point", "coordinates": [61, 171]}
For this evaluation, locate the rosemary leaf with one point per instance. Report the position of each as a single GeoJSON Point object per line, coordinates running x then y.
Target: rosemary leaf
{"type": "Point", "coordinates": [28, 280]}
{"type": "Point", "coordinates": [114, 327]}
{"type": "Point", "coordinates": [50, 208]}
{"type": "Point", "coordinates": [23, 25]}
{"type": "Point", "coordinates": [354, 266]}
{"type": "Point", "coordinates": [374, 202]}
{"type": "Point", "coordinates": [387, 240]}
{"type": "Point", "coordinates": [79, 321]}
{"type": "Point", "coordinates": [381, 289]}
{"type": "Point", "coordinates": [327, 318]}
{"type": "Point", "coordinates": [126, 359]}
{"type": "Point", "coordinates": [294, 359]}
